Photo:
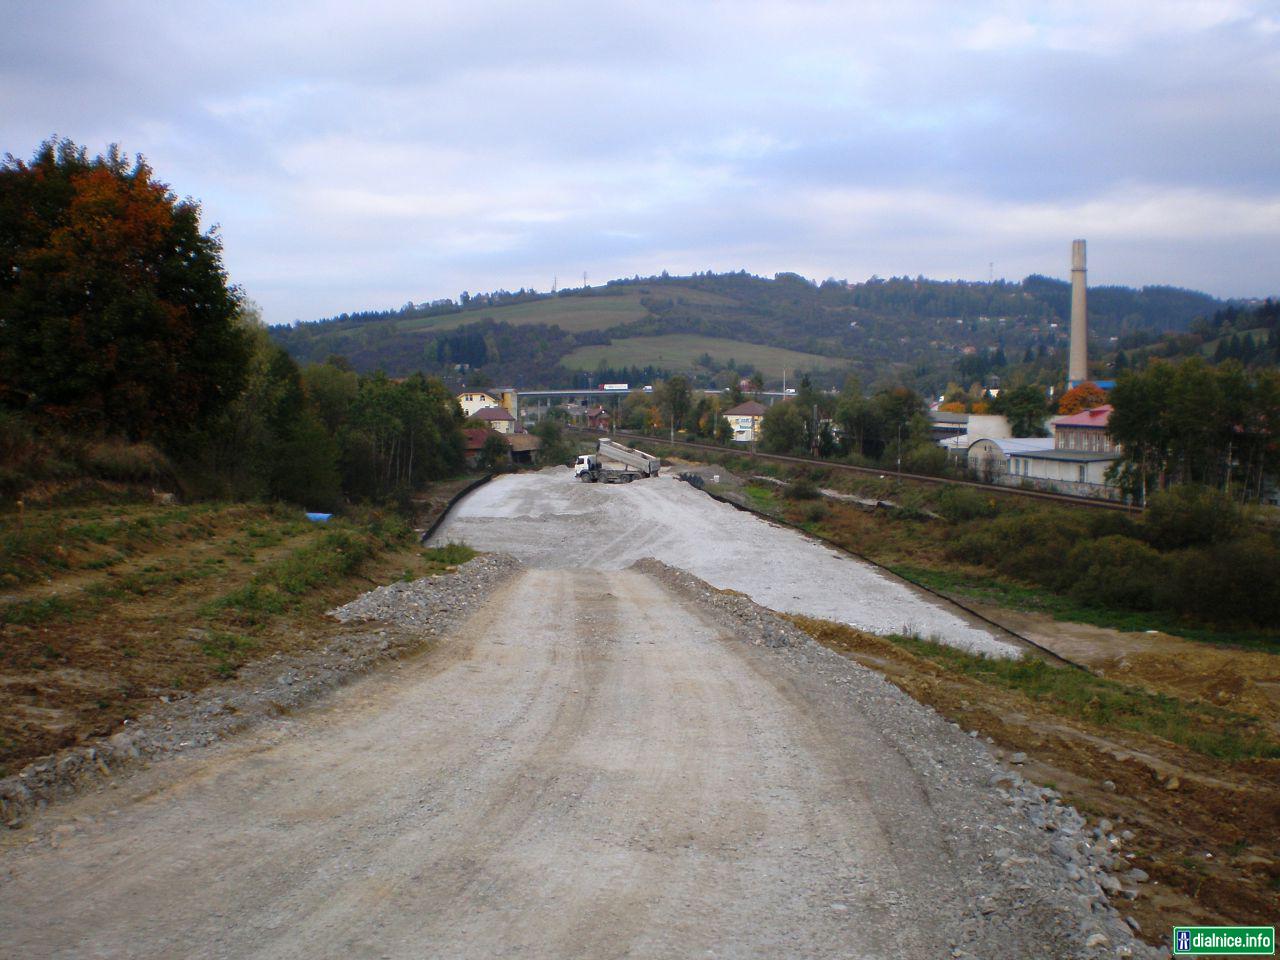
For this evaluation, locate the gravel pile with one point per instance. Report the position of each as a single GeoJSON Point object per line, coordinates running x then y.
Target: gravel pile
{"type": "Point", "coordinates": [386, 624]}
{"type": "Point", "coordinates": [1036, 855]}
{"type": "Point", "coordinates": [433, 603]}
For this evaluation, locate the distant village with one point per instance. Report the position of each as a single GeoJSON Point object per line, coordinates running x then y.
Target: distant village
{"type": "Point", "coordinates": [1071, 454]}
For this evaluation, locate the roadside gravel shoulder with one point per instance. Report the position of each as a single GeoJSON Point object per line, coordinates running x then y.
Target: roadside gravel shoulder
{"type": "Point", "coordinates": [1036, 859]}
{"type": "Point", "coordinates": [384, 624]}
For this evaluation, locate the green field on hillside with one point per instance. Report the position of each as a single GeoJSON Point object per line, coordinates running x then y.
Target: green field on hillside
{"type": "Point", "coordinates": [571, 314]}
{"type": "Point", "coordinates": [680, 351]}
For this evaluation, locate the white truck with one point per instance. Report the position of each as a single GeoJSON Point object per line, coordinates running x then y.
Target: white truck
{"type": "Point", "coordinates": [614, 463]}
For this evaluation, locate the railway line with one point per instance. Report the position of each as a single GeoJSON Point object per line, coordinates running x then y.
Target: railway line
{"type": "Point", "coordinates": [636, 439]}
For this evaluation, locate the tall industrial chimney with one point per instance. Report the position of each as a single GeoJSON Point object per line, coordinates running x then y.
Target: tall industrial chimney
{"type": "Point", "coordinates": [1078, 366]}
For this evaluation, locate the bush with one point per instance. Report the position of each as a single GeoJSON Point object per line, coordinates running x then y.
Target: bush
{"type": "Point", "coordinates": [124, 461]}
{"type": "Point", "coordinates": [926, 458]}
{"type": "Point", "coordinates": [1190, 516]}
{"type": "Point", "coordinates": [803, 488]}
{"type": "Point", "coordinates": [959, 504]}
{"type": "Point", "coordinates": [1227, 583]}
{"type": "Point", "coordinates": [1030, 546]}
{"type": "Point", "coordinates": [1116, 571]}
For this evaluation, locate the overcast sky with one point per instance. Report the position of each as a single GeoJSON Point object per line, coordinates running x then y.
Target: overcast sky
{"type": "Point", "coordinates": [363, 155]}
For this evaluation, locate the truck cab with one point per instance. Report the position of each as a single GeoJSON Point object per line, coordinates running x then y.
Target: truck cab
{"type": "Point", "coordinates": [585, 464]}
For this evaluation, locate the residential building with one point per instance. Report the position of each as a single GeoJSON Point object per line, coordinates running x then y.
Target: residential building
{"type": "Point", "coordinates": [598, 418]}
{"type": "Point", "coordinates": [473, 401]}
{"type": "Point", "coordinates": [745, 419]}
{"type": "Point", "coordinates": [473, 439]}
{"type": "Point", "coordinates": [496, 418]}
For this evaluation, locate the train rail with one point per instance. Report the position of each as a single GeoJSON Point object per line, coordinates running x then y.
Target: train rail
{"type": "Point", "coordinates": [637, 439]}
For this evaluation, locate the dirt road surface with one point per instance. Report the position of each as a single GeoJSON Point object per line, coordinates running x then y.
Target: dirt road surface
{"type": "Point", "coordinates": [592, 767]}
{"type": "Point", "coordinates": [548, 519]}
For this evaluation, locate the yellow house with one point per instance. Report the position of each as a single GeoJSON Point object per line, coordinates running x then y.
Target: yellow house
{"type": "Point", "coordinates": [473, 401]}
{"type": "Point", "coordinates": [745, 419]}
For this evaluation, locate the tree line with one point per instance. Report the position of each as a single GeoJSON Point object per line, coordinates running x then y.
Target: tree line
{"type": "Point", "coordinates": [119, 323]}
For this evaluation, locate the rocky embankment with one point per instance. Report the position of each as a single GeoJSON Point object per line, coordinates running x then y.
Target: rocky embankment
{"type": "Point", "coordinates": [385, 623]}
{"type": "Point", "coordinates": [1034, 852]}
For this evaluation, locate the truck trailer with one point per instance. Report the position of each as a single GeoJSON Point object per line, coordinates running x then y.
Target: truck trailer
{"type": "Point", "coordinates": [614, 463]}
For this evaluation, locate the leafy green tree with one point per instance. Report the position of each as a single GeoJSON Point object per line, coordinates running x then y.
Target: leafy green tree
{"type": "Point", "coordinates": [268, 443]}
{"type": "Point", "coordinates": [1026, 408]}
{"type": "Point", "coordinates": [331, 391]}
{"type": "Point", "coordinates": [783, 429]}
{"type": "Point", "coordinates": [1188, 422]}
{"type": "Point", "coordinates": [556, 448]}
{"type": "Point", "coordinates": [723, 429]}
{"type": "Point", "coordinates": [116, 310]}
{"type": "Point", "coordinates": [494, 454]}
{"type": "Point", "coordinates": [674, 400]}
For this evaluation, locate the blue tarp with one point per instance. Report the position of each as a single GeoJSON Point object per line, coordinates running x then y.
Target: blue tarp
{"type": "Point", "coordinates": [319, 517]}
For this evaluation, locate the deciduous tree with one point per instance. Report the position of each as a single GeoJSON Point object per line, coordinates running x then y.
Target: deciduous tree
{"type": "Point", "coordinates": [115, 311]}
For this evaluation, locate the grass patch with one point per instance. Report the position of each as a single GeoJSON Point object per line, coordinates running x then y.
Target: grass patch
{"type": "Point", "coordinates": [680, 351]}
{"type": "Point", "coordinates": [228, 650]}
{"type": "Point", "coordinates": [1208, 730]}
{"type": "Point", "coordinates": [54, 540]}
{"type": "Point", "coordinates": [44, 610]}
{"type": "Point", "coordinates": [438, 560]}
{"type": "Point", "coordinates": [762, 498]}
{"type": "Point", "coordinates": [986, 588]}
{"type": "Point", "coordinates": [281, 585]}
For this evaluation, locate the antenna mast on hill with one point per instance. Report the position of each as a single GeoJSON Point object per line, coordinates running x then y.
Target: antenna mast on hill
{"type": "Point", "coordinates": [554, 278]}
{"type": "Point", "coordinates": [991, 272]}
{"type": "Point", "coordinates": [584, 279]}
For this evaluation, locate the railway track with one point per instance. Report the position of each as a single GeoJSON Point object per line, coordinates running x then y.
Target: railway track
{"type": "Point", "coordinates": [638, 439]}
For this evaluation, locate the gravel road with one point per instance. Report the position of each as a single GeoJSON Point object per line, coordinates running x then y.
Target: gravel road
{"type": "Point", "coordinates": [548, 519]}
{"type": "Point", "coordinates": [596, 764]}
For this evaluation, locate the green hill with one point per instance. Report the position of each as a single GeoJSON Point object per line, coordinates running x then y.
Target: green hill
{"type": "Point", "coordinates": [902, 329]}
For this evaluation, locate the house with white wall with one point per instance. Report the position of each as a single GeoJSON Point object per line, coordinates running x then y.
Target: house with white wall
{"type": "Point", "coordinates": [745, 419]}
{"type": "Point", "coordinates": [473, 401]}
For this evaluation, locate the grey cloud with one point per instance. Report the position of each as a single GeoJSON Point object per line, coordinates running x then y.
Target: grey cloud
{"type": "Point", "coordinates": [405, 150]}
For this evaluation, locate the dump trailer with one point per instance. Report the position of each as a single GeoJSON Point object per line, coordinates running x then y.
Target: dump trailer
{"type": "Point", "coordinates": [614, 463]}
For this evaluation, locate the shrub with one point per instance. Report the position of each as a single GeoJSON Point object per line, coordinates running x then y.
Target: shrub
{"type": "Point", "coordinates": [959, 504]}
{"type": "Point", "coordinates": [1030, 546]}
{"type": "Point", "coordinates": [925, 458]}
{"type": "Point", "coordinates": [803, 488]}
{"type": "Point", "coordinates": [1116, 571]}
{"type": "Point", "coordinates": [815, 513]}
{"type": "Point", "coordinates": [1190, 516]}
{"type": "Point", "coordinates": [1227, 583]}
{"type": "Point", "coordinates": [124, 461]}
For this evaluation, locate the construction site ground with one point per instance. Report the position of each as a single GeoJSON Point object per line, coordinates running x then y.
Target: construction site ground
{"type": "Point", "coordinates": [109, 608]}
{"type": "Point", "coordinates": [1205, 828]}
{"type": "Point", "coordinates": [1201, 827]}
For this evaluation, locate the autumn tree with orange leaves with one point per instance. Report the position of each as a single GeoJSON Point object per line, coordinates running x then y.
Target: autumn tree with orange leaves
{"type": "Point", "coordinates": [1086, 396]}
{"type": "Point", "coordinates": [115, 311]}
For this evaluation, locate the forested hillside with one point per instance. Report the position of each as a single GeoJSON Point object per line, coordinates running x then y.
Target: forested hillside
{"type": "Point", "coordinates": [716, 327]}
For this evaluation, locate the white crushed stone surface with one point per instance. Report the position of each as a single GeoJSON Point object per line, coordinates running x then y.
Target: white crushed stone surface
{"type": "Point", "coordinates": [550, 520]}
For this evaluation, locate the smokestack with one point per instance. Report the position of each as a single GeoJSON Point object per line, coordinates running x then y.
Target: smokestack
{"type": "Point", "coordinates": [1078, 367]}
